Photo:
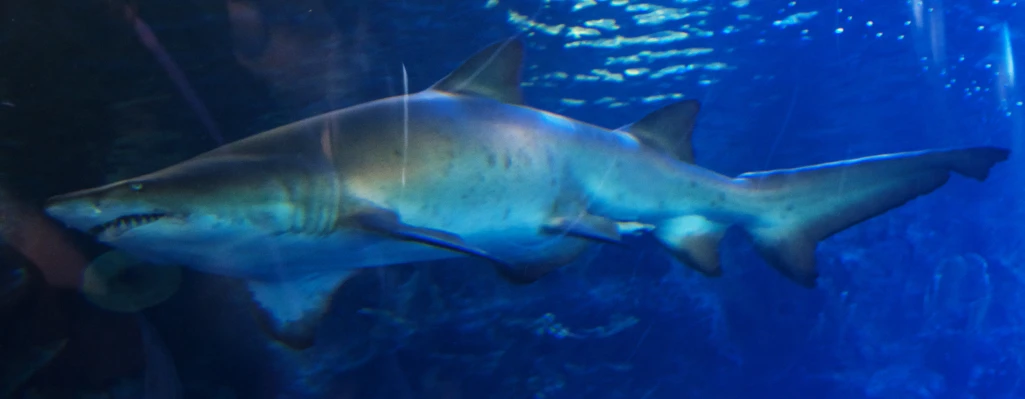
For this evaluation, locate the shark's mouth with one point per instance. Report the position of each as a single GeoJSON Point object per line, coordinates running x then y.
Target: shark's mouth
{"type": "Point", "coordinates": [127, 222]}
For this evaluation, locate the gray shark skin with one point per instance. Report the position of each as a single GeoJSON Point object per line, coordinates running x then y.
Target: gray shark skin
{"type": "Point", "coordinates": [465, 169]}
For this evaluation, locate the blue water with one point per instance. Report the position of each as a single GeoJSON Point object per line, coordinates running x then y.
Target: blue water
{"type": "Point", "coordinates": [924, 301]}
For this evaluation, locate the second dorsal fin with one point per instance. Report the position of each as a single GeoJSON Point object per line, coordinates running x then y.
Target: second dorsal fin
{"type": "Point", "coordinates": [668, 129]}
{"type": "Point", "coordinates": [493, 72]}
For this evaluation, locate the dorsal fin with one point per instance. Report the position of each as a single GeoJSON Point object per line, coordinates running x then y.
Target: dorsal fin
{"type": "Point", "coordinates": [668, 129]}
{"type": "Point", "coordinates": [493, 72]}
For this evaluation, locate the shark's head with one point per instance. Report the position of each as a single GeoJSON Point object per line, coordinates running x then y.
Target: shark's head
{"type": "Point", "coordinates": [189, 207]}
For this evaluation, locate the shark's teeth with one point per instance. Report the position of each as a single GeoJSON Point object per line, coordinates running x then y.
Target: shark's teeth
{"type": "Point", "coordinates": [127, 222]}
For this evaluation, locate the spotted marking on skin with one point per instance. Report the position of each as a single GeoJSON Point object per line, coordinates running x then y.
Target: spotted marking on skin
{"type": "Point", "coordinates": [447, 169]}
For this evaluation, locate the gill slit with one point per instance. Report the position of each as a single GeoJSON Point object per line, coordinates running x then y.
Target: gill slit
{"type": "Point", "coordinates": [405, 127]}
{"type": "Point", "coordinates": [322, 205]}
{"type": "Point", "coordinates": [332, 208]}
{"type": "Point", "coordinates": [290, 192]}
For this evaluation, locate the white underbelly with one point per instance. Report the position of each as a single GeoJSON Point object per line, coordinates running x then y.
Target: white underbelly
{"type": "Point", "coordinates": [288, 256]}
{"type": "Point", "coordinates": [283, 257]}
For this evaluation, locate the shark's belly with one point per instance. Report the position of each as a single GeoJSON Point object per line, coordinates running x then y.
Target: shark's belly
{"type": "Point", "coordinates": [284, 257]}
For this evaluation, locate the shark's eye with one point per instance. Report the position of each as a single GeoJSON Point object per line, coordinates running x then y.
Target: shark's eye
{"type": "Point", "coordinates": [135, 186]}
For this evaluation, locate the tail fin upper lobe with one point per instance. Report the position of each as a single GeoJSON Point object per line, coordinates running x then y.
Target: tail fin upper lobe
{"type": "Point", "coordinates": [793, 209]}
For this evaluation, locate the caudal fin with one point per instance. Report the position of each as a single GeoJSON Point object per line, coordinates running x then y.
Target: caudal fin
{"type": "Point", "coordinates": [791, 210]}
{"type": "Point", "coordinates": [805, 205]}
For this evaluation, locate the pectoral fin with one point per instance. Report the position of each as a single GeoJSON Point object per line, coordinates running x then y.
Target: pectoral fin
{"type": "Point", "coordinates": [387, 222]}
{"type": "Point", "coordinates": [291, 310]}
{"type": "Point", "coordinates": [585, 226]}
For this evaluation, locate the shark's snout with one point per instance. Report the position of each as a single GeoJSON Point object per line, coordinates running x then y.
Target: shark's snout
{"type": "Point", "coordinates": [62, 200]}
{"type": "Point", "coordinates": [98, 209]}
{"type": "Point", "coordinates": [78, 210]}
{"type": "Point", "coordinates": [108, 211]}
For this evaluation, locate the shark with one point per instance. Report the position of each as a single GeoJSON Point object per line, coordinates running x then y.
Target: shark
{"type": "Point", "coordinates": [464, 168]}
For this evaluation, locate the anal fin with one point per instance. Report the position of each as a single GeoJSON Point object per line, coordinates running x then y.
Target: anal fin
{"type": "Point", "coordinates": [585, 226]}
{"type": "Point", "coordinates": [694, 241]}
{"type": "Point", "coordinates": [291, 310]}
